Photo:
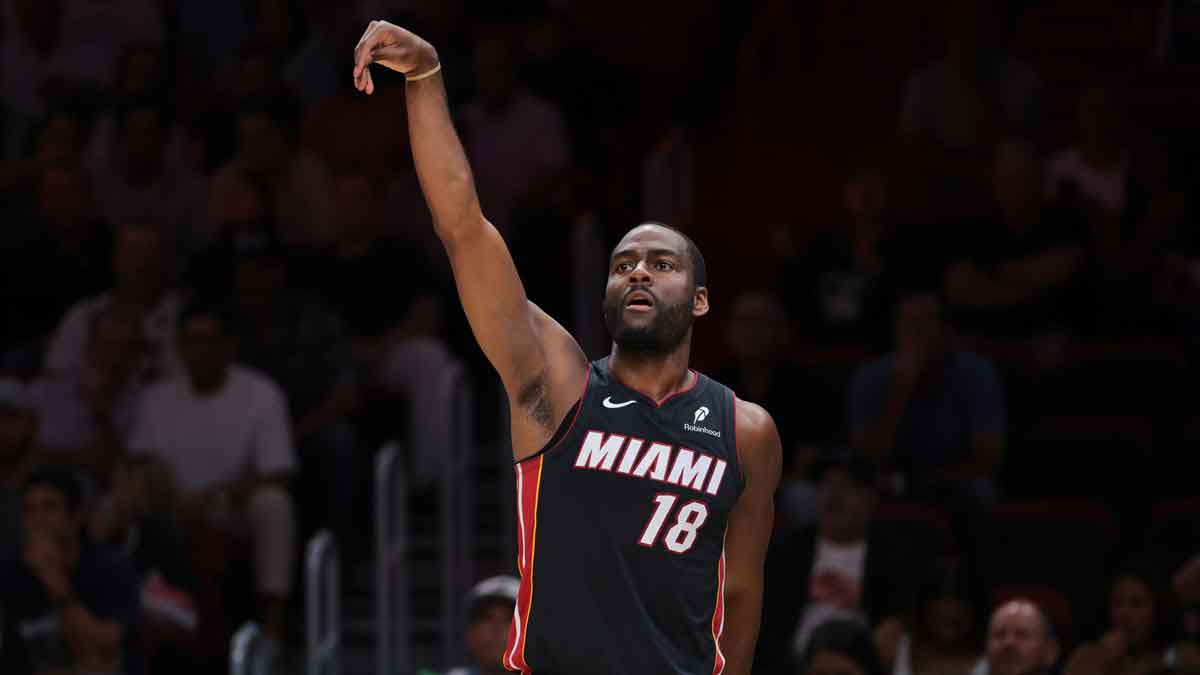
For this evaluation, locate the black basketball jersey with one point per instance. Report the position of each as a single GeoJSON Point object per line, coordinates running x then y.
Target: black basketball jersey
{"type": "Point", "coordinates": [622, 534]}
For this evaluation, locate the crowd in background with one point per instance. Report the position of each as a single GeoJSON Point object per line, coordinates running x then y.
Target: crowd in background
{"type": "Point", "coordinates": [954, 251]}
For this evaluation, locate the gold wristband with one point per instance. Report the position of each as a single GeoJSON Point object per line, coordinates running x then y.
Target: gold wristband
{"type": "Point", "coordinates": [429, 73]}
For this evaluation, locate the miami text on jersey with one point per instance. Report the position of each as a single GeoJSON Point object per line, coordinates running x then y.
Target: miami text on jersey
{"type": "Point", "coordinates": [660, 462]}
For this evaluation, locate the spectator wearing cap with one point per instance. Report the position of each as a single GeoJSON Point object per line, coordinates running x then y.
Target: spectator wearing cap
{"type": "Point", "coordinates": [490, 604]}
{"type": "Point", "coordinates": [299, 343]}
{"type": "Point", "coordinates": [1020, 641]}
{"type": "Point", "coordinates": [68, 606]}
{"type": "Point", "coordinates": [930, 411]}
{"type": "Point", "coordinates": [224, 434]}
{"type": "Point", "coordinates": [17, 426]}
{"type": "Point", "coordinates": [85, 416]}
{"type": "Point", "coordinates": [841, 569]}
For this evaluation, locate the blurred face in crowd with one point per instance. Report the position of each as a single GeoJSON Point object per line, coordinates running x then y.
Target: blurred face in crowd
{"type": "Point", "coordinates": [262, 142]}
{"type": "Point", "coordinates": [1131, 610]}
{"type": "Point", "coordinates": [844, 506]}
{"type": "Point", "coordinates": [206, 349]}
{"type": "Point", "coordinates": [487, 635]}
{"type": "Point", "coordinates": [948, 619]}
{"type": "Point", "coordinates": [65, 200]}
{"type": "Point", "coordinates": [130, 490]}
{"type": "Point", "coordinates": [833, 663]}
{"type": "Point", "coordinates": [1017, 180]}
{"type": "Point", "coordinates": [1019, 641]}
{"type": "Point", "coordinates": [16, 430]}
{"type": "Point", "coordinates": [866, 196]}
{"type": "Point", "coordinates": [145, 139]}
{"type": "Point", "coordinates": [258, 281]}
{"type": "Point", "coordinates": [138, 257]}
{"type": "Point", "coordinates": [758, 331]}
{"type": "Point", "coordinates": [45, 510]}
{"type": "Point", "coordinates": [920, 325]}
{"type": "Point", "coordinates": [60, 141]}
{"type": "Point", "coordinates": [141, 70]}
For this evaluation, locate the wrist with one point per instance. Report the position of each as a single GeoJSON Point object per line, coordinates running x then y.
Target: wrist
{"type": "Point", "coordinates": [428, 63]}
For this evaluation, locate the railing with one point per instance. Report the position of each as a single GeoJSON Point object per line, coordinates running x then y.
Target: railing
{"type": "Point", "coordinates": [323, 631]}
{"type": "Point", "coordinates": [456, 509]}
{"type": "Point", "coordinates": [391, 563]}
{"type": "Point", "coordinates": [249, 653]}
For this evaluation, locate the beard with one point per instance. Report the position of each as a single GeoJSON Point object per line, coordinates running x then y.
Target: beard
{"type": "Point", "coordinates": [659, 337]}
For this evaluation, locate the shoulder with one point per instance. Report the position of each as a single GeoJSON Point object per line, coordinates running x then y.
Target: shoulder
{"type": "Point", "coordinates": [82, 310]}
{"type": "Point", "coordinates": [165, 389]}
{"type": "Point", "coordinates": [756, 438]}
{"type": "Point", "coordinates": [254, 382]}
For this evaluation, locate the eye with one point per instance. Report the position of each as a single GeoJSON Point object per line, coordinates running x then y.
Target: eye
{"type": "Point", "coordinates": [664, 265]}
{"type": "Point", "coordinates": [624, 267]}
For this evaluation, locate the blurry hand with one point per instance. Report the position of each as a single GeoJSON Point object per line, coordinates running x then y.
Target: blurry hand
{"type": "Point", "coordinates": [392, 47]}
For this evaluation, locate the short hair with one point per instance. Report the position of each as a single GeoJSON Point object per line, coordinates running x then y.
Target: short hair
{"type": "Point", "coordinates": [60, 479]}
{"type": "Point", "coordinates": [847, 637]}
{"type": "Point", "coordinates": [695, 257]}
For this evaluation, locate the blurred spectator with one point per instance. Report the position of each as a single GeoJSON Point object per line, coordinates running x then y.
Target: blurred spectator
{"type": "Point", "coordinates": [85, 416]}
{"type": "Point", "coordinates": [1020, 641]}
{"type": "Point", "coordinates": [137, 521]}
{"type": "Point", "coordinates": [68, 238]}
{"type": "Point", "coordinates": [223, 432]}
{"type": "Point", "coordinates": [516, 140]}
{"type": "Point", "coordinates": [841, 647]}
{"type": "Point", "coordinates": [300, 344]}
{"type": "Point", "coordinates": [96, 32]}
{"type": "Point", "coordinates": [946, 631]}
{"type": "Point", "coordinates": [757, 333]}
{"type": "Point", "coordinates": [931, 411]}
{"type": "Point", "coordinates": [1186, 581]}
{"type": "Point", "coordinates": [17, 426]}
{"type": "Point", "coordinates": [57, 142]}
{"type": "Point", "coordinates": [316, 69]}
{"type": "Point", "coordinates": [1140, 635]}
{"type": "Point", "coordinates": [141, 76]}
{"type": "Point", "coordinates": [835, 289]}
{"type": "Point", "coordinates": [395, 338]}
{"type": "Point", "coordinates": [977, 93]}
{"type": "Point", "coordinates": [490, 608]}
{"type": "Point", "coordinates": [842, 569]}
{"type": "Point", "coordinates": [1095, 169]}
{"type": "Point", "coordinates": [33, 55]}
{"type": "Point", "coordinates": [140, 288]}
{"type": "Point", "coordinates": [298, 186]}
{"type": "Point", "coordinates": [140, 187]}
{"type": "Point", "coordinates": [1019, 276]}
{"type": "Point", "coordinates": [68, 606]}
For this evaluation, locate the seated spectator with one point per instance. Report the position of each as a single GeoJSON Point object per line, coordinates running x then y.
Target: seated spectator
{"type": "Point", "coordinates": [490, 609]}
{"type": "Point", "coordinates": [297, 342]}
{"type": "Point", "coordinates": [1019, 276]}
{"type": "Point", "coordinates": [1095, 169]}
{"type": "Point", "coordinates": [1140, 636]}
{"type": "Point", "coordinates": [517, 141]}
{"type": "Point", "coordinates": [17, 426]}
{"type": "Point", "coordinates": [223, 433]}
{"type": "Point", "coordinates": [946, 633]}
{"type": "Point", "coordinates": [396, 340]}
{"type": "Point", "coordinates": [834, 289]}
{"type": "Point", "coordinates": [140, 287]}
{"type": "Point", "coordinates": [932, 412]}
{"type": "Point", "coordinates": [300, 187]}
{"type": "Point", "coordinates": [57, 143]}
{"type": "Point", "coordinates": [978, 92]}
{"type": "Point", "coordinates": [66, 235]}
{"type": "Point", "coordinates": [136, 520]}
{"type": "Point", "coordinates": [1186, 581]}
{"type": "Point", "coordinates": [68, 606]}
{"type": "Point", "coordinates": [1020, 641]}
{"type": "Point", "coordinates": [140, 187]}
{"type": "Point", "coordinates": [84, 417]}
{"type": "Point", "coordinates": [840, 647]}
{"type": "Point", "coordinates": [758, 336]}
{"type": "Point", "coordinates": [842, 569]}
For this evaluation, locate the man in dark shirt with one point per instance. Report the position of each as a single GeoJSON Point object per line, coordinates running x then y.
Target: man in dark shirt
{"type": "Point", "coordinates": [67, 605]}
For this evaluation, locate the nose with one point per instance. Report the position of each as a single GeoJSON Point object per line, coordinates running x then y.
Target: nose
{"type": "Point", "coordinates": [640, 275]}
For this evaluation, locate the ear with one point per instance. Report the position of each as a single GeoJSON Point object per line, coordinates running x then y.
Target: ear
{"type": "Point", "coordinates": [700, 301]}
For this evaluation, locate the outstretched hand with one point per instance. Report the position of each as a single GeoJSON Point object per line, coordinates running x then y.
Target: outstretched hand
{"type": "Point", "coordinates": [393, 47]}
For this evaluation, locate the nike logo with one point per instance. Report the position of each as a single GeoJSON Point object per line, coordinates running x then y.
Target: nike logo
{"type": "Point", "coordinates": [609, 404]}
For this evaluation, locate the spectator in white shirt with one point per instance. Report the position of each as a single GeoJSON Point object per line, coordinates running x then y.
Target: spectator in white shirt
{"type": "Point", "coordinates": [224, 434]}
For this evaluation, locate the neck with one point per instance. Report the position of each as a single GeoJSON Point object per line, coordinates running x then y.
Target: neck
{"type": "Point", "coordinates": [655, 375]}
{"type": "Point", "coordinates": [209, 386]}
{"type": "Point", "coordinates": [141, 297]}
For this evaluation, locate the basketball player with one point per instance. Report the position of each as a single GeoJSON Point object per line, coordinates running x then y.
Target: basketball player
{"type": "Point", "coordinates": [644, 489]}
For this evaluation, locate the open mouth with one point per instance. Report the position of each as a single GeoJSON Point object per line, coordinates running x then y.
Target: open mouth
{"type": "Point", "coordinates": [639, 301]}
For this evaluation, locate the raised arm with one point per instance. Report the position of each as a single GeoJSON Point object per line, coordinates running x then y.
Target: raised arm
{"type": "Point", "coordinates": [760, 454]}
{"type": "Point", "coordinates": [541, 366]}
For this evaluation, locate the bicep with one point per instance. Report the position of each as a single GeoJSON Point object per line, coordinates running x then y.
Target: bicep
{"type": "Point", "coordinates": [761, 455]}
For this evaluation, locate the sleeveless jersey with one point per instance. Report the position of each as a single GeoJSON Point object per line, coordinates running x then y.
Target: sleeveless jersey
{"type": "Point", "coordinates": [622, 523]}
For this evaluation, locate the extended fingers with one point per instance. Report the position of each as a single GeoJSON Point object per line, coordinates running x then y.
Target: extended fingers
{"type": "Point", "coordinates": [362, 53]}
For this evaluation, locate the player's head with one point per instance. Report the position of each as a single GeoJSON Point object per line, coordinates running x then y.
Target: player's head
{"type": "Point", "coordinates": [490, 605]}
{"type": "Point", "coordinates": [656, 289]}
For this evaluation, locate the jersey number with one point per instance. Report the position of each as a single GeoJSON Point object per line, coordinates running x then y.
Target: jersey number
{"type": "Point", "coordinates": [687, 522]}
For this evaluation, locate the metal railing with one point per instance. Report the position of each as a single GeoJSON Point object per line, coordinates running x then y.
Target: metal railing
{"type": "Point", "coordinates": [322, 604]}
{"type": "Point", "coordinates": [456, 510]}
{"type": "Point", "coordinates": [249, 652]}
{"type": "Point", "coordinates": [391, 563]}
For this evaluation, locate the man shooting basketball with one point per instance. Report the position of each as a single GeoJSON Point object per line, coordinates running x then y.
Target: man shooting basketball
{"type": "Point", "coordinates": [644, 488]}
